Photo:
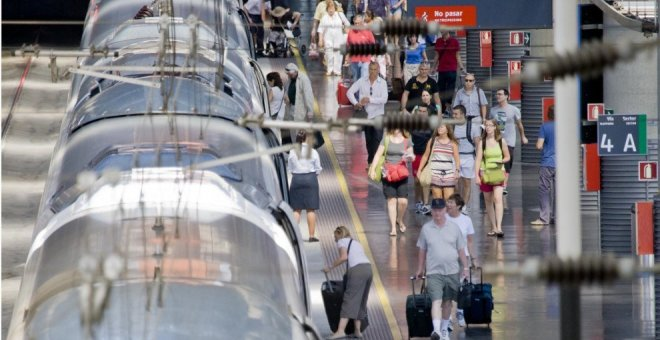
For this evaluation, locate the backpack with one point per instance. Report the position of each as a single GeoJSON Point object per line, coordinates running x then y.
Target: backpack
{"type": "Point", "coordinates": [468, 130]}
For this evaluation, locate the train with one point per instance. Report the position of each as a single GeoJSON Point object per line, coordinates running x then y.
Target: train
{"type": "Point", "coordinates": [135, 240]}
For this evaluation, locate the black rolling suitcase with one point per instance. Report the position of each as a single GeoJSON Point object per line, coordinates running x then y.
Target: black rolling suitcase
{"type": "Point", "coordinates": [476, 300]}
{"type": "Point", "coordinates": [418, 312]}
{"type": "Point", "coordinates": [333, 296]}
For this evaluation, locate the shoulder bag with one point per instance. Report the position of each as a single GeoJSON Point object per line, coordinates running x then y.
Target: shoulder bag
{"type": "Point", "coordinates": [493, 173]}
{"type": "Point", "coordinates": [381, 160]}
{"type": "Point", "coordinates": [426, 175]}
{"type": "Point", "coordinates": [345, 278]}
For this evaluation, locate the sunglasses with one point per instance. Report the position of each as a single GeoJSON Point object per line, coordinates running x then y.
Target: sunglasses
{"type": "Point", "coordinates": [469, 80]}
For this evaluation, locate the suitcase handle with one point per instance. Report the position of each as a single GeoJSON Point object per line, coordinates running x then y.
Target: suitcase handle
{"type": "Point", "coordinates": [412, 284]}
{"type": "Point", "coordinates": [481, 271]}
{"type": "Point", "coordinates": [327, 280]}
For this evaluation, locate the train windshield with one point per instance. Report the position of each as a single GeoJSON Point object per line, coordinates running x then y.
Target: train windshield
{"type": "Point", "coordinates": [145, 158]}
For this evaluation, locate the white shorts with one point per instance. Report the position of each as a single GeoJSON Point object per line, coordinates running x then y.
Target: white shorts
{"type": "Point", "coordinates": [467, 166]}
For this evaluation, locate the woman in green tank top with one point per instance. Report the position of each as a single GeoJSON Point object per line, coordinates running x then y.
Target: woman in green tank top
{"type": "Point", "coordinates": [492, 154]}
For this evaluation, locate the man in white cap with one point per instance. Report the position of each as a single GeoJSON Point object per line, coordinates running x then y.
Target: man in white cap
{"type": "Point", "coordinates": [298, 96]}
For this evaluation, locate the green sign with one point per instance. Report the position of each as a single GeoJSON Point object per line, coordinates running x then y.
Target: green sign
{"type": "Point", "coordinates": [609, 111]}
{"type": "Point", "coordinates": [622, 135]}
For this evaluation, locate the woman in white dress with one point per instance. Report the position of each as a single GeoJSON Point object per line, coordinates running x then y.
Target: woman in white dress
{"type": "Point", "coordinates": [331, 36]}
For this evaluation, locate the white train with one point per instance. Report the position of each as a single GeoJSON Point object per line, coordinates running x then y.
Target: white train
{"type": "Point", "coordinates": [132, 240]}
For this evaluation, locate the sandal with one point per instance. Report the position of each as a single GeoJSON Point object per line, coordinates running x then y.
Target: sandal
{"type": "Point", "coordinates": [402, 227]}
{"type": "Point", "coordinates": [500, 234]}
{"type": "Point", "coordinates": [393, 234]}
{"type": "Point", "coordinates": [492, 233]}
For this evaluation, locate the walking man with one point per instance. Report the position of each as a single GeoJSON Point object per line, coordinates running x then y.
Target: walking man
{"type": "Point", "coordinates": [468, 135]}
{"type": "Point", "coordinates": [507, 117]}
{"type": "Point", "coordinates": [372, 91]}
{"type": "Point", "coordinates": [448, 61]}
{"type": "Point", "coordinates": [546, 143]}
{"type": "Point", "coordinates": [412, 93]}
{"type": "Point", "coordinates": [473, 98]}
{"type": "Point", "coordinates": [441, 245]}
{"type": "Point", "coordinates": [298, 96]}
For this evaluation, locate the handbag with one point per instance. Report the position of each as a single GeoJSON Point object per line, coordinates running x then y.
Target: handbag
{"type": "Point", "coordinates": [381, 161]}
{"type": "Point", "coordinates": [493, 173]}
{"type": "Point", "coordinates": [395, 172]}
{"type": "Point", "coordinates": [318, 139]}
{"type": "Point", "coordinates": [425, 176]}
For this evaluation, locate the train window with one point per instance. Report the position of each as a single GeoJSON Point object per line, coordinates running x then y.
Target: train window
{"type": "Point", "coordinates": [165, 158]}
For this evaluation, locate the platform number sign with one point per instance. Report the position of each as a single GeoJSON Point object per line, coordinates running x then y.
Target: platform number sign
{"type": "Point", "coordinates": [622, 135]}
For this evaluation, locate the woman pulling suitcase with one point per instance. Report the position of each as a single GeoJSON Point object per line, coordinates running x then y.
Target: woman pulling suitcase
{"type": "Point", "coordinates": [358, 282]}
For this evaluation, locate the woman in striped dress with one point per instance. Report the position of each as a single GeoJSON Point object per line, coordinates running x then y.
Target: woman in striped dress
{"type": "Point", "coordinates": [442, 152]}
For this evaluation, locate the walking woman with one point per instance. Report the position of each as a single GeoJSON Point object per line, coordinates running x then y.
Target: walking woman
{"type": "Point", "coordinates": [415, 55]}
{"type": "Point", "coordinates": [276, 95]}
{"type": "Point", "coordinates": [420, 138]}
{"type": "Point", "coordinates": [304, 190]}
{"type": "Point", "coordinates": [395, 147]}
{"type": "Point", "coordinates": [331, 36]}
{"type": "Point", "coordinates": [359, 276]}
{"type": "Point", "coordinates": [489, 172]}
{"type": "Point", "coordinates": [442, 152]}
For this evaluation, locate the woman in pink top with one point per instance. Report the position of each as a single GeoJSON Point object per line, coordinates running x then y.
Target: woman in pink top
{"type": "Point", "coordinates": [359, 63]}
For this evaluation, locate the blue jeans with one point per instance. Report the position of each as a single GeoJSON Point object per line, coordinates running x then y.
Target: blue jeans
{"type": "Point", "coordinates": [547, 193]}
{"type": "Point", "coordinates": [359, 70]}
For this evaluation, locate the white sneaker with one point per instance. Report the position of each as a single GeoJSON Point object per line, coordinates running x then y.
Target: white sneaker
{"type": "Point", "coordinates": [419, 205]}
{"type": "Point", "coordinates": [461, 319]}
{"type": "Point", "coordinates": [426, 210]}
{"type": "Point", "coordinates": [444, 335]}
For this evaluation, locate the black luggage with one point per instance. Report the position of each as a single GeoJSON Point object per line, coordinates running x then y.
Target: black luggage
{"type": "Point", "coordinates": [418, 312]}
{"type": "Point", "coordinates": [476, 300]}
{"type": "Point", "coordinates": [333, 296]}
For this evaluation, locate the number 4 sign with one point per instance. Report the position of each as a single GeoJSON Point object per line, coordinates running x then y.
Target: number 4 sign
{"type": "Point", "coordinates": [622, 135]}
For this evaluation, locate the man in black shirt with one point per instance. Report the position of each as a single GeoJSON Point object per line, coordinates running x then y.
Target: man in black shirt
{"type": "Point", "coordinates": [412, 93]}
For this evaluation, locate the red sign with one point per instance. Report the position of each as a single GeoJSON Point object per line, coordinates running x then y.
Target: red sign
{"type": "Point", "coordinates": [594, 110]}
{"type": "Point", "coordinates": [546, 102]}
{"type": "Point", "coordinates": [514, 85]}
{"type": "Point", "coordinates": [647, 171]}
{"type": "Point", "coordinates": [516, 38]}
{"type": "Point", "coordinates": [486, 48]}
{"type": "Point", "coordinates": [448, 15]}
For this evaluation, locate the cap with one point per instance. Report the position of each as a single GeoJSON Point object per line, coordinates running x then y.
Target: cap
{"type": "Point", "coordinates": [438, 203]}
{"type": "Point", "coordinates": [290, 67]}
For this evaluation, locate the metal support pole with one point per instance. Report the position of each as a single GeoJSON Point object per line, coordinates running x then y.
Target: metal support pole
{"type": "Point", "coordinates": [567, 118]}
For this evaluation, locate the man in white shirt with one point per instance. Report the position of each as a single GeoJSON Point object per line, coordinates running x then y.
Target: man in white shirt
{"type": "Point", "coordinates": [473, 98]}
{"type": "Point", "coordinates": [454, 204]}
{"type": "Point", "coordinates": [468, 135]}
{"type": "Point", "coordinates": [508, 119]}
{"type": "Point", "coordinates": [254, 9]}
{"type": "Point", "coordinates": [372, 98]}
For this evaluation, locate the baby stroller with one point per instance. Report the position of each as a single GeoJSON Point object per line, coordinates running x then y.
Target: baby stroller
{"type": "Point", "coordinates": [282, 39]}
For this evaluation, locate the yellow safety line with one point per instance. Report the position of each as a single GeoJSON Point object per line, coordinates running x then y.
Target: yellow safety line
{"type": "Point", "coordinates": [362, 238]}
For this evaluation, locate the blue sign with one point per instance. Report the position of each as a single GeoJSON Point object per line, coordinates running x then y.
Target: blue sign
{"type": "Point", "coordinates": [620, 135]}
